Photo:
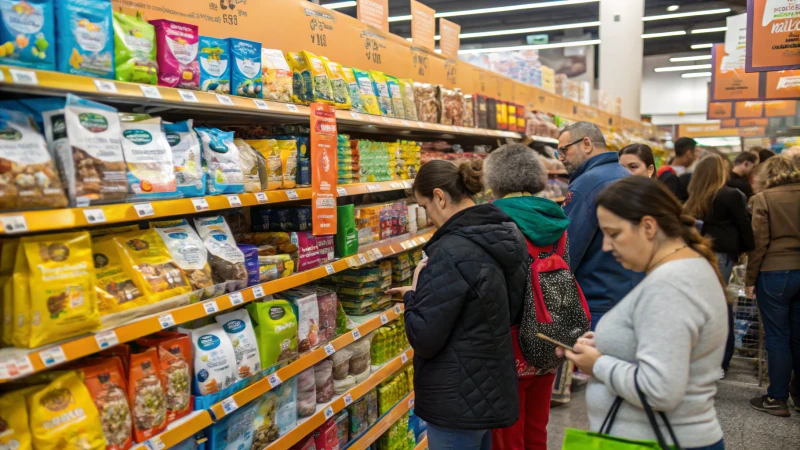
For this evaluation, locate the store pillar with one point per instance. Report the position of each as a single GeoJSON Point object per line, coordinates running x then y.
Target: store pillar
{"type": "Point", "coordinates": [621, 52]}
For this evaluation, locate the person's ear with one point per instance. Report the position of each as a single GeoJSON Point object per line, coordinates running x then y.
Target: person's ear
{"type": "Point", "coordinates": [439, 198]}
{"type": "Point", "coordinates": [649, 226]}
{"type": "Point", "coordinates": [587, 145]}
{"type": "Point", "coordinates": [651, 169]}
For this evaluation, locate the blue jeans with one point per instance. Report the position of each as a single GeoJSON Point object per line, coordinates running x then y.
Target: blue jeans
{"type": "Point", "coordinates": [443, 438]}
{"type": "Point", "coordinates": [718, 446]}
{"type": "Point", "coordinates": [778, 295]}
{"type": "Point", "coordinates": [725, 261]}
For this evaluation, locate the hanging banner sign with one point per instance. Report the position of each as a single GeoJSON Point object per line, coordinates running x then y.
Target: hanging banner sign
{"type": "Point", "coordinates": [423, 25]}
{"type": "Point", "coordinates": [728, 123]}
{"type": "Point", "coordinates": [449, 41]}
{"type": "Point", "coordinates": [375, 13]}
{"type": "Point", "coordinates": [324, 172]}
{"type": "Point", "coordinates": [746, 110]}
{"type": "Point", "coordinates": [772, 29]}
{"type": "Point", "coordinates": [752, 132]}
{"type": "Point", "coordinates": [783, 108]}
{"type": "Point", "coordinates": [763, 122]}
{"type": "Point", "coordinates": [719, 110]}
{"type": "Point", "coordinates": [729, 81]}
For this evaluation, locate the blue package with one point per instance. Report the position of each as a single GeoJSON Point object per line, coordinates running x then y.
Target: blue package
{"type": "Point", "coordinates": [215, 67]}
{"type": "Point", "coordinates": [250, 263]}
{"type": "Point", "coordinates": [246, 68]}
{"type": "Point", "coordinates": [303, 161]}
{"type": "Point", "coordinates": [221, 161]}
{"type": "Point", "coordinates": [27, 34]}
{"type": "Point", "coordinates": [85, 38]}
{"type": "Point", "coordinates": [186, 158]}
{"type": "Point", "coordinates": [234, 431]}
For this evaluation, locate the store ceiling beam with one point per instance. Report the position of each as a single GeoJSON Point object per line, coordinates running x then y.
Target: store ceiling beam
{"type": "Point", "coordinates": [498, 9]}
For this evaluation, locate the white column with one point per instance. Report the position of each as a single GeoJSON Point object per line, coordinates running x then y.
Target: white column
{"type": "Point", "coordinates": [621, 52]}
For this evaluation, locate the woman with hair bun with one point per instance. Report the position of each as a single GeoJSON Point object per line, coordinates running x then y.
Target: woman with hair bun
{"type": "Point", "coordinates": [459, 309]}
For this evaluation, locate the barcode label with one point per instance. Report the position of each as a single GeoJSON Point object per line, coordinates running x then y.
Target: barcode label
{"type": "Point", "coordinates": [166, 320]}
{"type": "Point", "coordinates": [329, 269]}
{"type": "Point", "coordinates": [374, 187]}
{"type": "Point", "coordinates": [261, 197]}
{"type": "Point", "coordinates": [341, 191]}
{"type": "Point", "coordinates": [224, 100]}
{"type": "Point", "coordinates": [106, 339]}
{"type": "Point", "coordinates": [52, 356]}
{"type": "Point", "coordinates": [236, 298]}
{"type": "Point", "coordinates": [188, 96]}
{"type": "Point", "coordinates": [384, 319]}
{"type": "Point", "coordinates": [19, 366]}
{"type": "Point", "coordinates": [200, 204]}
{"type": "Point", "coordinates": [291, 107]}
{"type": "Point", "coordinates": [362, 258]}
{"type": "Point", "coordinates": [355, 115]}
{"type": "Point", "coordinates": [150, 91]}
{"type": "Point", "coordinates": [404, 358]}
{"type": "Point", "coordinates": [274, 380]}
{"type": "Point", "coordinates": [261, 104]}
{"type": "Point", "coordinates": [329, 350]}
{"type": "Point", "coordinates": [94, 216]}
{"type": "Point", "coordinates": [404, 245]}
{"type": "Point", "coordinates": [328, 412]}
{"type": "Point", "coordinates": [14, 224]}
{"type": "Point", "coordinates": [23, 76]}
{"type": "Point", "coordinates": [144, 209]}
{"type": "Point", "coordinates": [229, 405]}
{"type": "Point", "coordinates": [398, 309]}
{"type": "Point", "coordinates": [395, 185]}
{"type": "Point", "coordinates": [348, 399]}
{"type": "Point", "coordinates": [377, 253]}
{"type": "Point", "coordinates": [210, 307]}
{"type": "Point", "coordinates": [234, 201]}
{"type": "Point", "coordinates": [292, 194]}
{"type": "Point", "coordinates": [356, 334]}
{"type": "Point", "coordinates": [258, 291]}
{"type": "Point", "coordinates": [106, 86]}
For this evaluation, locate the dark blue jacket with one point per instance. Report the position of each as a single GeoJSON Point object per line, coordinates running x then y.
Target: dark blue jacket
{"type": "Point", "coordinates": [603, 280]}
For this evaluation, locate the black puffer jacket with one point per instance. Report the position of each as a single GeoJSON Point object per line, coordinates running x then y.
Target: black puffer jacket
{"type": "Point", "coordinates": [459, 321]}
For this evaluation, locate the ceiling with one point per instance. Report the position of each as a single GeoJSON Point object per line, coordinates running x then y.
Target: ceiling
{"type": "Point", "coordinates": [570, 14]}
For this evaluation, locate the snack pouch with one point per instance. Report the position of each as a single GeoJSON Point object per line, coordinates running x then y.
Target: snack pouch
{"type": "Point", "coordinates": [339, 89]}
{"type": "Point", "coordinates": [252, 166]}
{"type": "Point", "coordinates": [115, 289]}
{"type": "Point", "coordinates": [286, 416]}
{"type": "Point", "coordinates": [189, 253]}
{"type": "Point", "coordinates": [288, 152]}
{"type": "Point", "coordinates": [27, 34]}
{"type": "Point", "coordinates": [148, 261]}
{"type": "Point", "coordinates": [62, 415]}
{"type": "Point", "coordinates": [21, 303]}
{"type": "Point", "coordinates": [275, 326]}
{"type": "Point", "coordinates": [276, 76]}
{"type": "Point", "coordinates": [221, 159]}
{"type": "Point", "coordinates": [250, 262]}
{"type": "Point", "coordinates": [134, 49]}
{"type": "Point", "coordinates": [234, 431]}
{"type": "Point", "coordinates": [368, 92]}
{"type": "Point", "coordinates": [353, 90]}
{"type": "Point", "coordinates": [303, 161]}
{"type": "Point", "coordinates": [271, 152]}
{"type": "Point", "coordinates": [382, 92]}
{"type": "Point", "coordinates": [225, 258]}
{"type": "Point", "coordinates": [239, 329]}
{"type": "Point", "coordinates": [302, 88]}
{"type": "Point", "coordinates": [264, 426]}
{"type": "Point", "coordinates": [246, 69]}
{"type": "Point", "coordinates": [176, 54]}
{"type": "Point", "coordinates": [214, 359]}
{"type": "Point", "coordinates": [85, 38]}
{"type": "Point", "coordinates": [409, 103]}
{"type": "Point", "coordinates": [8, 254]}
{"type": "Point", "coordinates": [306, 310]}
{"type": "Point", "coordinates": [215, 65]}
{"type": "Point", "coordinates": [320, 83]}
{"type": "Point", "coordinates": [397, 97]}
{"type": "Point", "coordinates": [14, 415]}
{"type": "Point", "coordinates": [175, 368]}
{"type": "Point", "coordinates": [146, 395]}
{"type": "Point", "coordinates": [106, 383]}
{"type": "Point", "coordinates": [148, 156]}
{"type": "Point", "coordinates": [187, 158]}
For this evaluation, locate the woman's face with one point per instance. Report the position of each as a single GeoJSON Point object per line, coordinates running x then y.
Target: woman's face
{"type": "Point", "coordinates": [630, 244]}
{"type": "Point", "coordinates": [636, 166]}
{"type": "Point", "coordinates": [436, 207]}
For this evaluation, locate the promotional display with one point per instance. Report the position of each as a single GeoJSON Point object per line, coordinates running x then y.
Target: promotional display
{"type": "Point", "coordinates": [374, 13]}
{"type": "Point", "coordinates": [324, 165]}
{"type": "Point", "coordinates": [449, 41]}
{"type": "Point", "coordinates": [772, 27]}
{"type": "Point", "coordinates": [423, 25]}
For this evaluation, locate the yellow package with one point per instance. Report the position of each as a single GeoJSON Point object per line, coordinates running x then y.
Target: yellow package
{"type": "Point", "coordinates": [301, 79]}
{"type": "Point", "coordinates": [288, 149]}
{"type": "Point", "coordinates": [382, 91]}
{"type": "Point", "coordinates": [63, 415]}
{"type": "Point", "coordinates": [276, 75]}
{"type": "Point", "coordinates": [339, 90]}
{"type": "Point", "coordinates": [116, 290]}
{"type": "Point", "coordinates": [148, 262]}
{"type": "Point", "coordinates": [268, 148]}
{"type": "Point", "coordinates": [8, 255]}
{"type": "Point", "coordinates": [21, 302]}
{"type": "Point", "coordinates": [320, 83]}
{"type": "Point", "coordinates": [368, 94]}
{"type": "Point", "coordinates": [14, 431]}
{"type": "Point", "coordinates": [61, 286]}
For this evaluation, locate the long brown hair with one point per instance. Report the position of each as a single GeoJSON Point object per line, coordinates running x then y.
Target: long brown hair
{"type": "Point", "coordinates": [708, 179]}
{"type": "Point", "coordinates": [459, 181]}
{"type": "Point", "coordinates": [633, 198]}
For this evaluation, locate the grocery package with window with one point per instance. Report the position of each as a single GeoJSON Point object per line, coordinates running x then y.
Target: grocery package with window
{"type": "Point", "coordinates": [246, 68]}
{"type": "Point", "coordinates": [134, 49]}
{"type": "Point", "coordinates": [358, 416]}
{"type": "Point", "coordinates": [360, 360]}
{"type": "Point", "coordinates": [275, 325]}
{"type": "Point", "coordinates": [214, 359]}
{"type": "Point", "coordinates": [325, 437]}
{"type": "Point", "coordinates": [326, 303]}
{"type": "Point", "coordinates": [14, 414]}
{"type": "Point", "coordinates": [214, 57]}
{"type": "Point", "coordinates": [288, 153]}
{"type": "Point", "coordinates": [302, 91]}
{"type": "Point", "coordinates": [148, 156]}
{"type": "Point", "coordinates": [225, 258]}
{"type": "Point", "coordinates": [342, 420]}
{"type": "Point", "coordinates": [271, 152]}
{"type": "Point", "coordinates": [452, 103]}
{"type": "Point", "coordinates": [409, 103]}
{"type": "Point", "coordinates": [238, 327]}
{"type": "Point", "coordinates": [175, 368]}
{"type": "Point", "coordinates": [221, 159]}
{"type": "Point", "coordinates": [306, 393]}
{"type": "Point", "coordinates": [369, 94]}
{"type": "Point", "coordinates": [396, 94]}
{"type": "Point", "coordinates": [382, 91]}
{"type": "Point", "coordinates": [187, 158]}
{"type": "Point", "coordinates": [281, 219]}
{"type": "Point", "coordinates": [320, 83]}
{"type": "Point", "coordinates": [307, 443]}
{"type": "Point", "coordinates": [27, 34]}
{"type": "Point", "coordinates": [85, 38]}
{"type": "Point", "coordinates": [250, 263]}
{"type": "Point", "coordinates": [106, 381]}
{"type": "Point", "coordinates": [189, 253]}
{"type": "Point", "coordinates": [146, 395]}
{"type": "Point", "coordinates": [339, 89]}
{"type": "Point", "coordinates": [353, 90]}
{"type": "Point", "coordinates": [116, 289]}
{"type": "Point", "coordinates": [286, 417]}
{"type": "Point", "coordinates": [427, 99]}
{"type": "Point", "coordinates": [265, 429]}
{"type": "Point", "coordinates": [254, 169]}
{"type": "Point", "coordinates": [276, 76]}
{"type": "Point", "coordinates": [305, 307]}
{"type": "Point", "coordinates": [176, 54]}
{"type": "Point", "coordinates": [234, 431]}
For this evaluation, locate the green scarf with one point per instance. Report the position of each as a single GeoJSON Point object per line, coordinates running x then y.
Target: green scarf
{"type": "Point", "coordinates": [541, 220]}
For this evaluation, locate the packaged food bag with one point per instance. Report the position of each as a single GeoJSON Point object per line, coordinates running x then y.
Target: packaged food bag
{"type": "Point", "coordinates": [307, 443]}
{"type": "Point", "coordinates": [234, 431]}
{"type": "Point", "coordinates": [302, 88]}
{"type": "Point", "coordinates": [148, 156]}
{"type": "Point", "coordinates": [323, 379]}
{"type": "Point", "coordinates": [409, 104]}
{"type": "Point", "coordinates": [29, 178]}
{"type": "Point", "coordinates": [253, 166]}
{"type": "Point", "coordinates": [428, 104]}
{"type": "Point", "coordinates": [275, 326]}
{"type": "Point", "coordinates": [286, 416]}
{"type": "Point", "coordinates": [106, 383]}
{"type": "Point", "coordinates": [304, 305]}
{"type": "Point", "coordinates": [346, 238]}
{"type": "Point", "coordinates": [320, 83]}
{"type": "Point", "coordinates": [397, 97]}
{"type": "Point", "coordinates": [21, 299]}
{"type": "Point", "coordinates": [116, 290]}
{"type": "Point", "coordinates": [14, 414]}
{"type": "Point", "coordinates": [353, 90]}
{"type": "Point", "coordinates": [62, 415]}
{"type": "Point", "coordinates": [134, 49]}
{"type": "Point", "coordinates": [342, 420]}
{"type": "Point", "coordinates": [339, 89]}
{"type": "Point", "coordinates": [225, 258]}
{"type": "Point", "coordinates": [246, 69]}
{"type": "Point", "coordinates": [250, 262]}
{"type": "Point", "coordinates": [85, 38]}
{"type": "Point", "coordinates": [303, 161]}
{"type": "Point", "coordinates": [264, 426]}
{"type": "Point", "coordinates": [288, 152]}
{"type": "Point", "coordinates": [8, 254]}
{"type": "Point", "coordinates": [188, 252]}
{"type": "Point", "coordinates": [276, 76]}
{"type": "Point", "coordinates": [325, 437]}
{"type": "Point", "coordinates": [176, 54]}
{"type": "Point", "coordinates": [271, 152]}
{"type": "Point", "coordinates": [214, 359]}
{"type": "Point", "coordinates": [146, 395]}
{"type": "Point", "coordinates": [175, 367]}
{"type": "Point", "coordinates": [27, 34]}
{"type": "Point", "coordinates": [187, 158]}
{"type": "Point", "coordinates": [239, 329]}
{"type": "Point", "coordinates": [307, 250]}
{"type": "Point", "coordinates": [215, 65]}
{"type": "Point", "coordinates": [368, 92]}
{"type": "Point", "coordinates": [306, 393]}
{"type": "Point", "coordinates": [382, 91]}
{"type": "Point", "coordinates": [221, 158]}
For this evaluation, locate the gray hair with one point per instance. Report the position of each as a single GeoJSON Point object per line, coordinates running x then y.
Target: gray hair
{"type": "Point", "coordinates": [580, 130]}
{"type": "Point", "coordinates": [514, 168]}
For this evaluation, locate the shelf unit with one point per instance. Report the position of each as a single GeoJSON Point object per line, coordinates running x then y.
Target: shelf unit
{"type": "Point", "coordinates": [423, 444]}
{"type": "Point", "coordinates": [363, 441]}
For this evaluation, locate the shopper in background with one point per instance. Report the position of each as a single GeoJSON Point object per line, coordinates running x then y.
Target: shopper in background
{"type": "Point", "coordinates": [667, 335]}
{"type": "Point", "coordinates": [459, 310]}
{"type": "Point", "coordinates": [685, 156]}
{"type": "Point", "coordinates": [773, 274]}
{"type": "Point", "coordinates": [743, 167]}
{"type": "Point", "coordinates": [515, 175]}
{"type": "Point", "coordinates": [604, 282]}
{"type": "Point", "coordinates": [638, 159]}
{"type": "Point", "coordinates": [764, 154]}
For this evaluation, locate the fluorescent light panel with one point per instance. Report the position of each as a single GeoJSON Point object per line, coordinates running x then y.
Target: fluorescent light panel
{"type": "Point", "coordinates": [699, 46]}
{"type": "Point", "coordinates": [498, 9]}
{"type": "Point", "coordinates": [690, 58]}
{"type": "Point", "coordinates": [681, 68]}
{"type": "Point", "coordinates": [695, 74]}
{"type": "Point", "coordinates": [663, 34]}
{"type": "Point", "coordinates": [525, 30]}
{"type": "Point", "coordinates": [528, 47]}
{"type": "Point", "coordinates": [709, 30]}
{"type": "Point", "coordinates": [687, 14]}
{"type": "Point", "coordinates": [673, 8]}
{"type": "Point", "coordinates": [339, 5]}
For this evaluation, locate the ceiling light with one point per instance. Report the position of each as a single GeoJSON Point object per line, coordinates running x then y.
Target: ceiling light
{"type": "Point", "coordinates": [498, 9]}
{"type": "Point", "coordinates": [681, 68]}
{"type": "Point", "coordinates": [699, 46]}
{"type": "Point", "coordinates": [709, 30]}
{"type": "Point", "coordinates": [690, 58]}
{"type": "Point", "coordinates": [673, 8]}
{"type": "Point", "coordinates": [525, 30]}
{"type": "Point", "coordinates": [696, 75]}
{"type": "Point", "coordinates": [663, 34]}
{"type": "Point", "coordinates": [473, 51]}
{"type": "Point", "coordinates": [707, 12]}
{"type": "Point", "coordinates": [339, 5]}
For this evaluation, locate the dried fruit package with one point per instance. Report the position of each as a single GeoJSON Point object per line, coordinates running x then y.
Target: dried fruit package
{"type": "Point", "coordinates": [14, 415]}
{"type": "Point", "coordinates": [246, 68]}
{"type": "Point", "coordinates": [264, 425]}
{"type": "Point", "coordinates": [368, 93]}
{"type": "Point", "coordinates": [276, 76]}
{"type": "Point", "coordinates": [134, 49]}
{"type": "Point", "coordinates": [271, 152]}
{"type": "Point", "coordinates": [85, 38]}
{"type": "Point", "coordinates": [221, 159]}
{"type": "Point", "coordinates": [146, 395]}
{"type": "Point", "coordinates": [225, 258]}
{"type": "Point", "coordinates": [27, 34]}
{"type": "Point", "coordinates": [239, 329]}
{"type": "Point", "coordinates": [189, 253]}
{"type": "Point", "coordinates": [320, 83]}
{"type": "Point", "coordinates": [175, 367]}
{"type": "Point", "coordinates": [275, 326]}
{"type": "Point", "coordinates": [304, 305]}
{"type": "Point", "coordinates": [116, 290]}
{"type": "Point", "coordinates": [353, 90]}
{"type": "Point", "coordinates": [397, 96]}
{"type": "Point", "coordinates": [409, 104]}
{"type": "Point", "coordinates": [339, 89]}
{"type": "Point", "coordinates": [452, 103]}
{"type": "Point", "coordinates": [176, 54]}
{"type": "Point", "coordinates": [382, 91]}
{"type": "Point", "coordinates": [187, 158]}
{"type": "Point", "coordinates": [28, 176]}
{"type": "Point", "coordinates": [302, 90]}
{"type": "Point", "coordinates": [215, 65]}
{"type": "Point", "coordinates": [428, 105]}
{"type": "Point", "coordinates": [214, 359]}
{"type": "Point", "coordinates": [148, 157]}
{"type": "Point", "coordinates": [108, 388]}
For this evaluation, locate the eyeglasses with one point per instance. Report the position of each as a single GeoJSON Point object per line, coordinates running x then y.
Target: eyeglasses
{"type": "Point", "coordinates": [562, 151]}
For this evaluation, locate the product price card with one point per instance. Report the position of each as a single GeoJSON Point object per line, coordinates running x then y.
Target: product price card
{"type": "Point", "coordinates": [14, 224]}
{"type": "Point", "coordinates": [329, 269]}
{"type": "Point", "coordinates": [348, 399]}
{"type": "Point", "coordinates": [52, 356]}
{"type": "Point", "coordinates": [23, 76]}
{"type": "Point", "coordinates": [229, 405]}
{"type": "Point", "coordinates": [234, 201]}
{"type": "Point", "coordinates": [398, 309]}
{"type": "Point", "coordinates": [236, 298]}
{"type": "Point", "coordinates": [274, 380]}
{"type": "Point", "coordinates": [328, 412]}
{"type": "Point", "coordinates": [292, 194]}
{"type": "Point", "coordinates": [341, 191]}
{"type": "Point", "coordinates": [356, 334]}
{"type": "Point", "coordinates": [166, 321]}
{"type": "Point", "coordinates": [292, 108]}
{"type": "Point", "coordinates": [105, 86]}
{"type": "Point", "coordinates": [261, 197]}
{"type": "Point", "coordinates": [155, 443]}
{"type": "Point", "coordinates": [384, 319]}
{"type": "Point", "coordinates": [94, 216]}
{"type": "Point", "coordinates": [200, 204]}
{"type": "Point", "coordinates": [258, 291]}
{"type": "Point", "coordinates": [144, 209]}
{"type": "Point", "coordinates": [224, 100]}
{"type": "Point", "coordinates": [106, 339]}
{"type": "Point", "coordinates": [261, 104]}
{"type": "Point", "coordinates": [404, 358]}
{"type": "Point", "coordinates": [329, 350]}
{"type": "Point", "coordinates": [210, 307]}
{"type": "Point", "coordinates": [150, 91]}
{"type": "Point", "coordinates": [188, 96]}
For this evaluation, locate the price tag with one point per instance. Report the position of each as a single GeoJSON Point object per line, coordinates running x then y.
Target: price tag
{"type": "Point", "coordinates": [236, 298]}
{"type": "Point", "coordinates": [410, 403]}
{"type": "Point", "coordinates": [292, 194]}
{"type": "Point", "coordinates": [395, 185]}
{"type": "Point", "coordinates": [362, 258]}
{"type": "Point", "coordinates": [355, 115]}
{"type": "Point", "coordinates": [229, 405]}
{"type": "Point", "coordinates": [384, 319]}
{"type": "Point", "coordinates": [261, 197]}
{"type": "Point", "coordinates": [455, 128]}
{"type": "Point", "coordinates": [356, 334]}
{"type": "Point", "coordinates": [291, 107]}
{"type": "Point", "coordinates": [14, 224]}
{"type": "Point", "coordinates": [274, 380]}
{"type": "Point", "coordinates": [386, 119]}
{"type": "Point", "coordinates": [210, 307]}
{"type": "Point", "coordinates": [260, 104]}
{"type": "Point", "coordinates": [150, 91]}
{"type": "Point", "coordinates": [413, 243]}
{"type": "Point", "coordinates": [404, 358]}
{"type": "Point", "coordinates": [348, 399]}
{"type": "Point", "coordinates": [258, 291]}
{"type": "Point", "coordinates": [20, 76]}
{"type": "Point", "coordinates": [234, 201]}
{"type": "Point", "coordinates": [328, 412]}
{"type": "Point", "coordinates": [52, 356]}
{"type": "Point", "coordinates": [398, 309]}
{"type": "Point", "coordinates": [341, 192]}
{"type": "Point", "coordinates": [408, 184]}
{"type": "Point", "coordinates": [329, 350]}
{"type": "Point", "coordinates": [188, 96]}
{"type": "Point", "coordinates": [94, 216]}
{"type": "Point", "coordinates": [166, 321]}
{"type": "Point", "coordinates": [19, 366]}
{"type": "Point", "coordinates": [377, 253]}
{"type": "Point", "coordinates": [374, 187]}
{"type": "Point", "coordinates": [155, 443]}
{"type": "Point", "coordinates": [106, 339]}
{"type": "Point", "coordinates": [329, 269]}
{"type": "Point", "coordinates": [106, 86]}
{"type": "Point", "coordinates": [224, 100]}
{"type": "Point", "coordinates": [2, 76]}
{"type": "Point", "coordinates": [144, 209]}
{"type": "Point", "coordinates": [200, 204]}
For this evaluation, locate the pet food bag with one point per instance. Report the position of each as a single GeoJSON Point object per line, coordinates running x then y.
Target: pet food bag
{"type": "Point", "coordinates": [214, 359]}
{"type": "Point", "coordinates": [8, 254]}
{"type": "Point", "coordinates": [369, 94]}
{"type": "Point", "coordinates": [358, 416]}
{"type": "Point", "coordinates": [304, 305]}
{"type": "Point", "coordinates": [306, 393]}
{"type": "Point", "coordinates": [323, 380]}
{"type": "Point", "coordinates": [225, 258]}
{"type": "Point", "coordinates": [382, 92]}
{"type": "Point", "coordinates": [221, 158]}
{"type": "Point", "coordinates": [271, 152]}
{"type": "Point", "coordinates": [215, 65]}
{"type": "Point", "coordinates": [276, 76]}
{"type": "Point", "coordinates": [27, 34]}
{"type": "Point", "coordinates": [85, 38]}
{"type": "Point", "coordinates": [397, 96]}
{"type": "Point", "coordinates": [239, 329]}
{"type": "Point", "coordinates": [342, 420]}
{"type": "Point", "coordinates": [187, 158]}
{"type": "Point", "coordinates": [302, 90]}
{"type": "Point", "coordinates": [339, 89]}
{"type": "Point", "coordinates": [175, 367]}
{"type": "Point", "coordinates": [353, 90]}
{"type": "Point", "coordinates": [307, 443]}
{"type": "Point", "coordinates": [234, 431]}
{"type": "Point", "coordinates": [14, 415]}
{"type": "Point", "coordinates": [275, 326]}
{"type": "Point", "coordinates": [116, 290]}
{"type": "Point", "coordinates": [148, 156]}
{"type": "Point", "coordinates": [188, 252]}
{"type": "Point", "coordinates": [253, 166]}
{"type": "Point", "coordinates": [146, 395]}
{"type": "Point", "coordinates": [134, 49]}
{"type": "Point", "coordinates": [109, 390]}
{"type": "Point", "coordinates": [246, 69]}
{"type": "Point", "coordinates": [176, 54]}
{"type": "Point", "coordinates": [325, 437]}
{"type": "Point", "coordinates": [307, 250]}
{"type": "Point", "coordinates": [320, 83]}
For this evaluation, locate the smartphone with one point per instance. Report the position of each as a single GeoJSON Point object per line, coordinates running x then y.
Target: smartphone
{"type": "Point", "coordinates": [554, 342]}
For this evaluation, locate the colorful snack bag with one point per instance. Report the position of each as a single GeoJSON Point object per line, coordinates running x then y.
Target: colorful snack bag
{"type": "Point", "coordinates": [276, 76]}
{"type": "Point", "coordinates": [189, 253]}
{"type": "Point", "coordinates": [306, 309]}
{"type": "Point", "coordinates": [14, 415]}
{"type": "Point", "coordinates": [339, 89]}
{"type": "Point", "coordinates": [115, 289]}
{"type": "Point", "coordinates": [239, 329]}
{"type": "Point", "coordinates": [108, 388]}
{"type": "Point", "coordinates": [306, 393]}
{"type": "Point", "coordinates": [246, 70]}
{"type": "Point", "coordinates": [275, 326]}
{"type": "Point", "coordinates": [353, 90]}
{"type": "Point", "coordinates": [27, 34]}
{"type": "Point", "coordinates": [286, 417]}
{"type": "Point", "coordinates": [214, 359]}
{"type": "Point", "coordinates": [146, 395]}
{"type": "Point", "coordinates": [382, 91]}
{"type": "Point", "coordinates": [252, 166]}
{"type": "Point", "coordinates": [221, 158]}
{"type": "Point", "coordinates": [397, 96]}
{"type": "Point", "coordinates": [7, 256]}
{"type": "Point", "coordinates": [187, 158]}
{"type": "Point", "coordinates": [271, 152]}
{"type": "Point", "coordinates": [85, 38]}
{"type": "Point", "coordinates": [215, 65]}
{"type": "Point", "coordinates": [175, 367]}
{"type": "Point", "coordinates": [134, 49]}
{"type": "Point", "coordinates": [225, 258]}
{"type": "Point", "coordinates": [266, 430]}
{"type": "Point", "coordinates": [320, 83]}
{"type": "Point", "coordinates": [250, 262]}
{"type": "Point", "coordinates": [409, 103]}
{"type": "Point", "coordinates": [303, 161]}
{"type": "Point", "coordinates": [288, 152]}
{"type": "Point", "coordinates": [176, 54]}
{"type": "Point", "coordinates": [148, 157]}
{"type": "Point", "coordinates": [368, 92]}
{"type": "Point", "coordinates": [302, 89]}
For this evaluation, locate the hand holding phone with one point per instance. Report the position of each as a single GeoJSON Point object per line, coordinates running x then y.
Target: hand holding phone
{"type": "Point", "coordinates": [554, 342]}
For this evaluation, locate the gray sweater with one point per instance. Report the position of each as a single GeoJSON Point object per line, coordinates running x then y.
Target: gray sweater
{"type": "Point", "coordinates": [673, 327]}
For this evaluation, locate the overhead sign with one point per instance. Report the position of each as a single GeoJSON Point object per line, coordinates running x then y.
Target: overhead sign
{"type": "Point", "coordinates": [375, 13]}
{"type": "Point", "coordinates": [772, 33]}
{"type": "Point", "coordinates": [423, 25]}
{"type": "Point", "coordinates": [731, 82]}
{"type": "Point", "coordinates": [537, 39]}
{"type": "Point", "coordinates": [449, 41]}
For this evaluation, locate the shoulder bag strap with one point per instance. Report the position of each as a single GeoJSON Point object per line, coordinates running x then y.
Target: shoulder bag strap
{"type": "Point", "coordinates": [653, 420]}
{"type": "Point", "coordinates": [611, 416]}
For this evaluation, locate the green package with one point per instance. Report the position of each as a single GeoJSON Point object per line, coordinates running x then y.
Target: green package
{"type": "Point", "coordinates": [346, 239]}
{"type": "Point", "coordinates": [396, 94]}
{"type": "Point", "coordinates": [134, 49]}
{"type": "Point", "coordinates": [275, 326]}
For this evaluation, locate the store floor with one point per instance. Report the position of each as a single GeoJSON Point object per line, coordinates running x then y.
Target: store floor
{"type": "Point", "coordinates": [743, 427]}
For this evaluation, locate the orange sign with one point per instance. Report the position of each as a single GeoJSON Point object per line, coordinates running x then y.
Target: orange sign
{"type": "Point", "coordinates": [772, 29]}
{"type": "Point", "coordinates": [727, 123]}
{"type": "Point", "coordinates": [719, 110]}
{"type": "Point", "coordinates": [729, 82]}
{"type": "Point", "coordinates": [752, 132]}
{"type": "Point", "coordinates": [449, 41]}
{"type": "Point", "coordinates": [782, 108]}
{"type": "Point", "coordinates": [753, 122]}
{"type": "Point", "coordinates": [782, 84]}
{"type": "Point", "coordinates": [696, 130]}
{"type": "Point", "coordinates": [746, 110]}
{"type": "Point", "coordinates": [423, 25]}
{"type": "Point", "coordinates": [324, 165]}
{"type": "Point", "coordinates": [375, 13]}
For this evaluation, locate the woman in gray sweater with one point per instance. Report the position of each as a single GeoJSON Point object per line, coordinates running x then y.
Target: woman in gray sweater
{"type": "Point", "coordinates": [668, 334]}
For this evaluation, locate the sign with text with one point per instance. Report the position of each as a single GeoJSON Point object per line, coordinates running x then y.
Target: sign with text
{"type": "Point", "coordinates": [772, 29]}
{"type": "Point", "coordinates": [719, 110]}
{"type": "Point", "coordinates": [423, 25]}
{"type": "Point", "coordinates": [324, 164]}
{"type": "Point", "coordinates": [375, 13]}
{"type": "Point", "coordinates": [729, 81]}
{"type": "Point", "coordinates": [449, 41]}
{"type": "Point", "coordinates": [746, 110]}
{"type": "Point", "coordinates": [780, 108]}
{"type": "Point", "coordinates": [728, 123]}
